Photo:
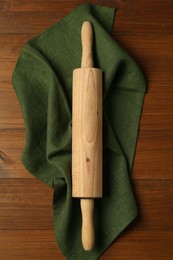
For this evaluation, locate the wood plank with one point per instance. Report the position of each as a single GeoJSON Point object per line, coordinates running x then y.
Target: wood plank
{"type": "Point", "coordinates": [153, 159]}
{"type": "Point", "coordinates": [4, 5]}
{"type": "Point", "coordinates": [133, 18]}
{"type": "Point", "coordinates": [154, 55]}
{"type": "Point", "coordinates": [136, 17]}
{"type": "Point", "coordinates": [11, 145]}
{"type": "Point", "coordinates": [10, 47]}
{"type": "Point", "coordinates": [28, 244]}
{"type": "Point", "coordinates": [154, 199]}
{"type": "Point", "coordinates": [28, 22]}
{"type": "Point", "coordinates": [27, 204]}
{"type": "Point", "coordinates": [41, 245]}
{"type": "Point", "coordinates": [41, 6]}
{"type": "Point", "coordinates": [10, 109]}
{"type": "Point", "coordinates": [141, 245]}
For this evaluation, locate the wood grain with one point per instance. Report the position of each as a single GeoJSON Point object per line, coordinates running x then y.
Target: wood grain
{"type": "Point", "coordinates": [133, 17]}
{"type": "Point", "coordinates": [141, 245]}
{"type": "Point", "coordinates": [144, 29]}
{"type": "Point", "coordinates": [28, 244]}
{"type": "Point", "coordinates": [87, 138]}
{"type": "Point", "coordinates": [30, 195]}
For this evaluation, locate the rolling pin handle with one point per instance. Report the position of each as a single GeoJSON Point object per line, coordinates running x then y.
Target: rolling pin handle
{"type": "Point", "coordinates": [87, 208]}
{"type": "Point", "coordinates": [87, 42]}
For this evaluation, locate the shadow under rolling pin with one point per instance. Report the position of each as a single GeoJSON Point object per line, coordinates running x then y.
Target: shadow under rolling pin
{"type": "Point", "coordinates": [87, 135]}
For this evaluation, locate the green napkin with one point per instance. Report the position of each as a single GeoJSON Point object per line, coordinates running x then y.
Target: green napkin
{"type": "Point", "coordinates": [42, 80]}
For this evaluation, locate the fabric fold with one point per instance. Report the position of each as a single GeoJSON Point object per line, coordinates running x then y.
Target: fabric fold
{"type": "Point", "coordinates": [42, 80]}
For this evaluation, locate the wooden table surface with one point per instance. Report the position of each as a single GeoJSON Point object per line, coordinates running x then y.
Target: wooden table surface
{"type": "Point", "coordinates": [145, 29]}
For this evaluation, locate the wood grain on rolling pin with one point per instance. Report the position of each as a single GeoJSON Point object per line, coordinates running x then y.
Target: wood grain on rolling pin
{"type": "Point", "coordinates": [87, 133]}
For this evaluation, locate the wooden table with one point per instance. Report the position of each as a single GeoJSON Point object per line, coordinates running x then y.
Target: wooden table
{"type": "Point", "coordinates": [145, 29]}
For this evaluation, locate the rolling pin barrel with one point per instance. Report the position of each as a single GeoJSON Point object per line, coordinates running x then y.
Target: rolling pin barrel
{"type": "Point", "coordinates": [87, 135]}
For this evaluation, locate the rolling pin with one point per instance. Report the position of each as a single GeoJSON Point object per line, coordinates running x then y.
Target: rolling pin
{"type": "Point", "coordinates": [87, 135]}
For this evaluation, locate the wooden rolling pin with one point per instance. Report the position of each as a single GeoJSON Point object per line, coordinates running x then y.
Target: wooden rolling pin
{"type": "Point", "coordinates": [87, 135]}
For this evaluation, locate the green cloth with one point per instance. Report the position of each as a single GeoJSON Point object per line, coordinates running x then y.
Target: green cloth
{"type": "Point", "coordinates": [42, 80]}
